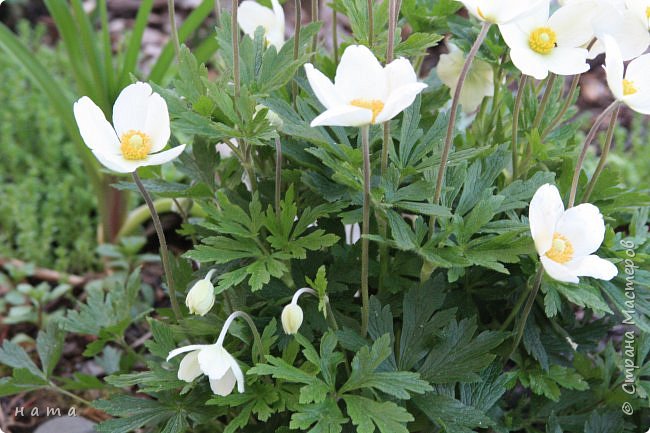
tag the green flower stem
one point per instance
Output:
(603, 154)
(383, 248)
(217, 11)
(527, 309)
(365, 230)
(452, 118)
(335, 35)
(513, 313)
(371, 24)
(581, 158)
(314, 18)
(567, 103)
(164, 252)
(60, 390)
(278, 175)
(257, 340)
(173, 29)
(235, 48)
(296, 47)
(515, 126)
(547, 96)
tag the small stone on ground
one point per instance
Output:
(67, 424)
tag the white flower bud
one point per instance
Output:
(200, 298)
(271, 116)
(291, 318)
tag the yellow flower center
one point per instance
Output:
(374, 105)
(561, 249)
(542, 40)
(628, 88)
(135, 145)
(647, 12)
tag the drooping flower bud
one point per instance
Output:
(200, 298)
(291, 318)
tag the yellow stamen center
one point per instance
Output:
(647, 12)
(480, 14)
(561, 249)
(628, 88)
(374, 105)
(542, 40)
(135, 145)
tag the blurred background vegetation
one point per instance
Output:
(47, 207)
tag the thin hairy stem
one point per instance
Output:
(515, 126)
(371, 24)
(335, 35)
(235, 48)
(452, 118)
(565, 107)
(365, 230)
(278, 175)
(581, 159)
(527, 309)
(296, 48)
(173, 29)
(603, 155)
(257, 340)
(164, 252)
(547, 96)
(314, 18)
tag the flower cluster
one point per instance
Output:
(561, 42)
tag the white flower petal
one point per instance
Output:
(130, 109)
(398, 100)
(185, 349)
(638, 71)
(639, 9)
(515, 37)
(614, 67)
(572, 24)
(567, 61)
(95, 130)
(251, 15)
(322, 87)
(215, 361)
(593, 266)
(558, 271)
(584, 227)
(224, 385)
(117, 163)
(630, 34)
(360, 75)
(505, 11)
(164, 157)
(276, 34)
(189, 369)
(156, 124)
(239, 375)
(639, 102)
(529, 63)
(545, 210)
(399, 72)
(344, 115)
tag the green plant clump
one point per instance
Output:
(47, 212)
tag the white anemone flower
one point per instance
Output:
(214, 361)
(251, 15)
(141, 130)
(363, 92)
(478, 84)
(500, 11)
(631, 87)
(626, 22)
(540, 44)
(566, 239)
